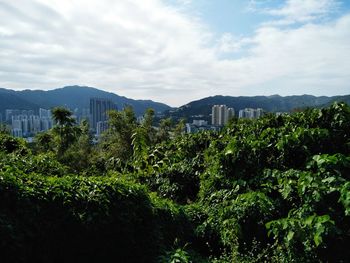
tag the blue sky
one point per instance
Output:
(240, 17)
(224, 16)
(176, 51)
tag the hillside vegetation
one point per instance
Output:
(72, 97)
(274, 103)
(275, 189)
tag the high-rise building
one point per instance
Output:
(250, 113)
(221, 114)
(230, 113)
(43, 113)
(27, 112)
(25, 123)
(85, 115)
(99, 110)
(46, 124)
(17, 132)
(35, 123)
(215, 115)
(11, 112)
(259, 112)
(101, 127)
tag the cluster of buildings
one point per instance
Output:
(250, 113)
(24, 123)
(27, 123)
(197, 125)
(220, 115)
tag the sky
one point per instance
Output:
(177, 51)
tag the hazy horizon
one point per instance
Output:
(177, 51)
(183, 104)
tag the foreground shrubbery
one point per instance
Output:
(74, 219)
(272, 190)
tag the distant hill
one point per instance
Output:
(273, 103)
(72, 97)
(9, 100)
(78, 97)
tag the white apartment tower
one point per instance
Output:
(250, 113)
(220, 114)
(215, 115)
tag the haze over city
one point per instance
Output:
(176, 51)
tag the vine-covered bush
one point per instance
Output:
(74, 219)
(275, 189)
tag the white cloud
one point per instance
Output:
(147, 49)
(229, 43)
(184, 2)
(312, 52)
(302, 11)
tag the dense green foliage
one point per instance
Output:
(275, 189)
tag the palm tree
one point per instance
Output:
(62, 116)
(64, 128)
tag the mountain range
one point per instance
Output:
(72, 97)
(275, 103)
(78, 97)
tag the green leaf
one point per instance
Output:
(290, 236)
(317, 239)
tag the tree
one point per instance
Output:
(44, 141)
(79, 154)
(62, 116)
(143, 135)
(163, 133)
(179, 128)
(116, 143)
(4, 129)
(148, 126)
(64, 129)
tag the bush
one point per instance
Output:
(74, 219)
(9, 144)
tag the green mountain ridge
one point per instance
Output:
(71, 97)
(78, 97)
(274, 103)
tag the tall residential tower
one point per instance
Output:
(99, 108)
(220, 114)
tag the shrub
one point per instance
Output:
(74, 219)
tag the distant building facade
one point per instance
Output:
(220, 114)
(25, 123)
(99, 108)
(230, 113)
(200, 122)
(250, 113)
(101, 126)
(9, 113)
(43, 113)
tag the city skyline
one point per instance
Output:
(28, 123)
(174, 47)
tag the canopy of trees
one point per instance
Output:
(276, 189)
